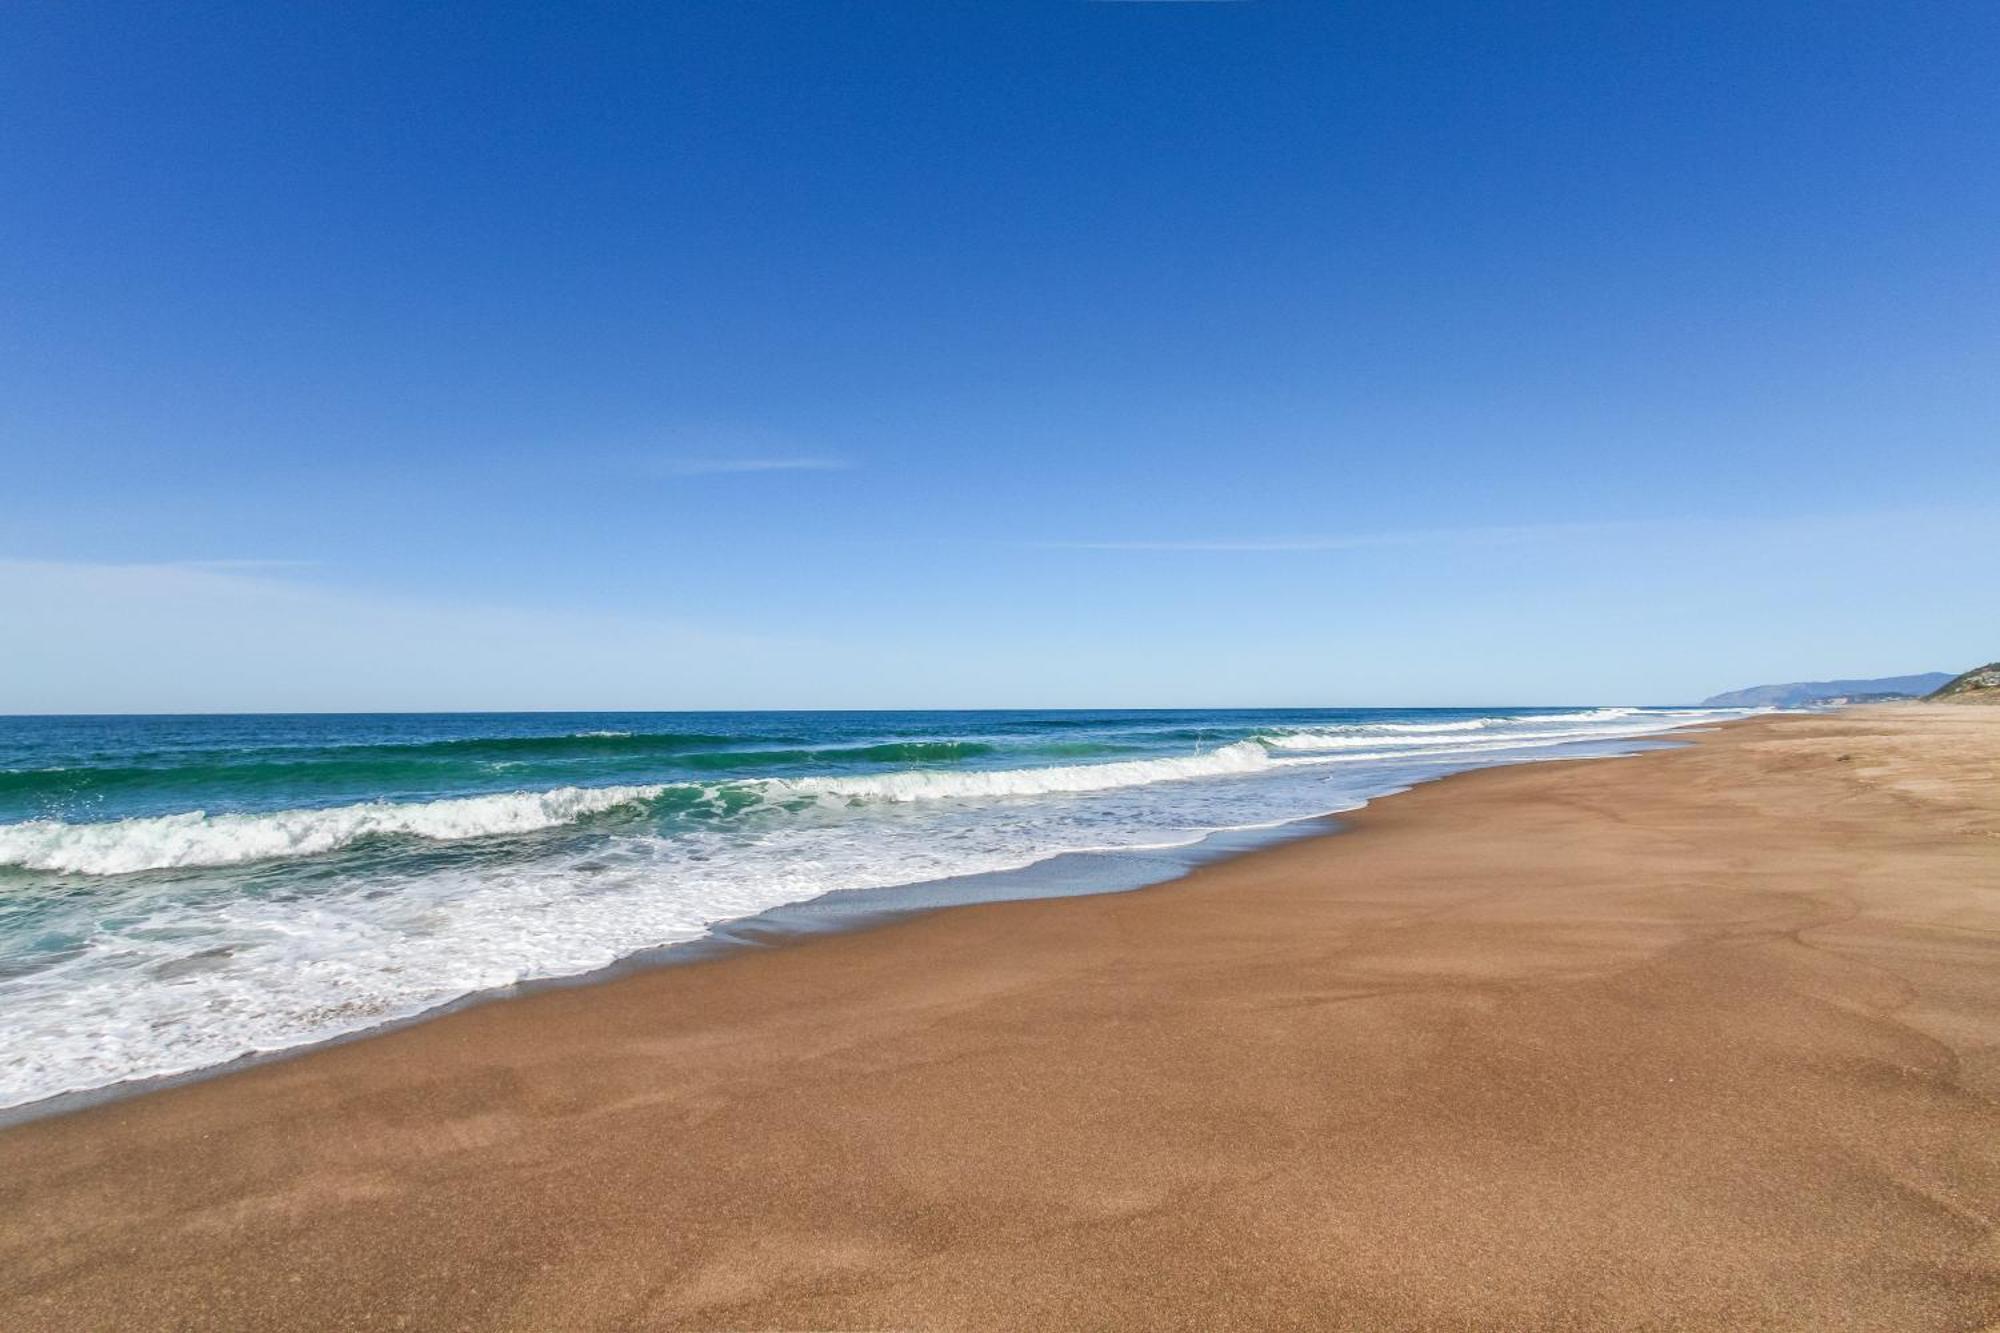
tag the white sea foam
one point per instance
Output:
(1347, 740)
(1600, 714)
(1242, 757)
(196, 838)
(1452, 753)
(1580, 725)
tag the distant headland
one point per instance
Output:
(1799, 693)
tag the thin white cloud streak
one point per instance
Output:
(716, 467)
(237, 565)
(1346, 541)
(1765, 526)
(246, 565)
(190, 637)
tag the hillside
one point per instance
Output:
(1798, 693)
(1981, 685)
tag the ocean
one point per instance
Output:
(179, 892)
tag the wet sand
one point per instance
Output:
(1704, 1038)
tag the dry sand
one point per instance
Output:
(1703, 1038)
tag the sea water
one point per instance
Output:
(177, 892)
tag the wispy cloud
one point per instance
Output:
(1340, 541)
(245, 565)
(221, 637)
(715, 467)
(1768, 526)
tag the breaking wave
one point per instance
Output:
(1242, 757)
(1582, 724)
(197, 838)
(123, 846)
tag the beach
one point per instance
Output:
(1705, 1037)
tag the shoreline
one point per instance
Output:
(1716, 1025)
(1075, 873)
(840, 911)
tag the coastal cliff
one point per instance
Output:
(1981, 685)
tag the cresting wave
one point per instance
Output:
(196, 838)
(1596, 722)
(125, 846)
(1320, 742)
(1242, 757)
(392, 766)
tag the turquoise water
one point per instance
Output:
(178, 891)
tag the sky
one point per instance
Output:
(1036, 354)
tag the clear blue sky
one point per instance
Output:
(753, 354)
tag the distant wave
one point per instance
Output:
(1241, 757)
(890, 752)
(1415, 735)
(1322, 741)
(352, 769)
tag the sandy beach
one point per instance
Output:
(1703, 1038)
